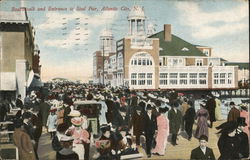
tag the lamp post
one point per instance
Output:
(103, 62)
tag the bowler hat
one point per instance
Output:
(163, 110)
(241, 121)
(149, 107)
(231, 103)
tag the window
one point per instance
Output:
(173, 75)
(149, 78)
(229, 76)
(139, 61)
(193, 78)
(144, 62)
(216, 75)
(206, 52)
(163, 78)
(133, 78)
(175, 62)
(223, 75)
(183, 75)
(120, 60)
(222, 81)
(132, 62)
(183, 78)
(141, 78)
(202, 78)
(222, 78)
(199, 62)
(173, 78)
(135, 62)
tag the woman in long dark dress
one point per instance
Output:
(228, 142)
(202, 117)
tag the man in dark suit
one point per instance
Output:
(234, 113)
(19, 102)
(202, 152)
(150, 127)
(242, 138)
(175, 117)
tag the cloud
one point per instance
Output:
(55, 20)
(212, 24)
(78, 35)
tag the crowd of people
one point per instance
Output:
(125, 117)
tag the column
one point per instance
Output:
(21, 77)
(130, 29)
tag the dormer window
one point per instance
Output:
(185, 49)
(206, 52)
(199, 62)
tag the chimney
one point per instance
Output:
(167, 32)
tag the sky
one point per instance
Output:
(67, 38)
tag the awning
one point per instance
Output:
(34, 80)
(7, 81)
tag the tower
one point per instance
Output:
(136, 21)
(107, 42)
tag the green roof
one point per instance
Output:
(241, 65)
(176, 47)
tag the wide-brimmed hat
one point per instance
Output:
(65, 138)
(227, 127)
(77, 121)
(53, 109)
(244, 106)
(74, 113)
(241, 121)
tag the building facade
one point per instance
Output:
(163, 60)
(16, 54)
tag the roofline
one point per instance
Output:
(14, 21)
(197, 46)
(240, 62)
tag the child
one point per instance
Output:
(66, 152)
(52, 122)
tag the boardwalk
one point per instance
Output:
(181, 151)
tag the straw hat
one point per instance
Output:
(66, 138)
(77, 121)
(74, 113)
(53, 109)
